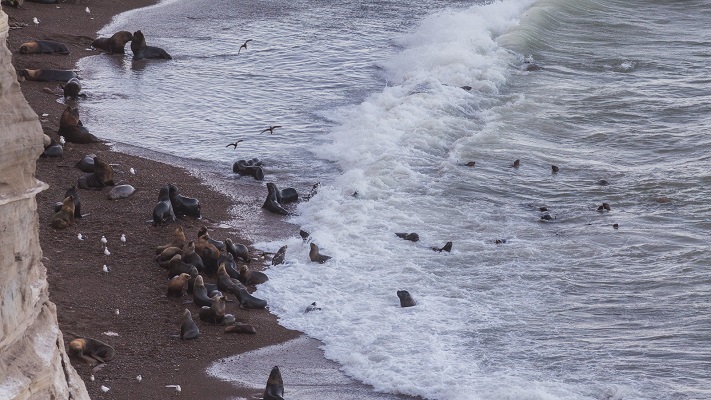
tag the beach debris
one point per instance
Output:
(105, 269)
(104, 389)
(132, 171)
(80, 236)
(106, 251)
(139, 378)
(177, 387)
(36, 20)
(110, 333)
(312, 307)
(123, 239)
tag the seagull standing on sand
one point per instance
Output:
(235, 144)
(36, 20)
(139, 378)
(132, 171)
(123, 239)
(80, 237)
(103, 241)
(177, 387)
(106, 251)
(270, 129)
(87, 10)
(244, 46)
(105, 269)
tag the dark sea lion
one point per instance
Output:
(239, 327)
(102, 176)
(218, 244)
(516, 164)
(316, 256)
(547, 217)
(163, 259)
(90, 350)
(500, 241)
(43, 47)
(72, 129)
(191, 257)
(531, 66)
(177, 267)
(193, 275)
(413, 237)
(275, 386)
(183, 205)
(542, 209)
(115, 44)
(227, 284)
(188, 329)
(121, 192)
(406, 299)
(200, 296)
(179, 240)
(604, 207)
(554, 169)
(246, 300)
(47, 75)
(65, 216)
(304, 235)
(176, 286)
(238, 250)
(313, 192)
(215, 313)
(86, 164)
(279, 256)
(447, 247)
(230, 265)
(251, 168)
(466, 87)
(163, 210)
(72, 191)
(53, 150)
(470, 164)
(141, 50)
(615, 226)
(287, 195)
(72, 88)
(271, 204)
(248, 277)
(312, 307)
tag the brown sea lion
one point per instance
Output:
(406, 299)
(176, 286)
(316, 256)
(72, 191)
(102, 176)
(43, 47)
(230, 265)
(215, 313)
(275, 386)
(209, 254)
(238, 250)
(218, 244)
(191, 257)
(47, 75)
(188, 329)
(179, 240)
(248, 277)
(91, 351)
(200, 296)
(163, 259)
(65, 216)
(141, 50)
(239, 327)
(163, 210)
(72, 129)
(115, 44)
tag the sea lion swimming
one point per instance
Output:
(316, 256)
(406, 299)
(554, 169)
(72, 88)
(188, 329)
(516, 164)
(163, 210)
(43, 47)
(183, 205)
(92, 351)
(312, 307)
(275, 386)
(65, 216)
(102, 176)
(447, 247)
(72, 129)
(47, 75)
(413, 237)
(115, 44)
(141, 50)
(604, 207)
(279, 256)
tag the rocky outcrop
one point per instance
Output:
(33, 363)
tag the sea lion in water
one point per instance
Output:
(239, 327)
(92, 351)
(183, 205)
(271, 204)
(115, 44)
(141, 50)
(275, 386)
(121, 192)
(103, 175)
(447, 247)
(43, 47)
(72, 129)
(413, 237)
(179, 240)
(237, 250)
(215, 313)
(248, 277)
(279, 256)
(163, 210)
(72, 191)
(47, 75)
(72, 88)
(251, 168)
(188, 329)
(604, 207)
(176, 286)
(65, 216)
(516, 164)
(316, 256)
(312, 307)
(406, 299)
(554, 169)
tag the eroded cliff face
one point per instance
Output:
(33, 363)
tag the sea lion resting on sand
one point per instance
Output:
(141, 50)
(86, 164)
(103, 175)
(237, 250)
(176, 286)
(215, 313)
(72, 129)
(91, 351)
(65, 216)
(47, 75)
(54, 149)
(43, 47)
(115, 44)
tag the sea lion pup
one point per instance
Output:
(65, 216)
(179, 240)
(163, 210)
(218, 244)
(413, 237)
(238, 250)
(183, 205)
(215, 313)
(72, 191)
(54, 149)
(177, 267)
(209, 254)
(315, 256)
(115, 44)
(72, 88)
(141, 50)
(275, 386)
(271, 204)
(239, 327)
(72, 129)
(406, 299)
(279, 256)
(102, 176)
(121, 192)
(251, 168)
(91, 351)
(47, 75)
(176, 286)
(191, 257)
(248, 277)
(200, 296)
(447, 247)
(188, 329)
(43, 47)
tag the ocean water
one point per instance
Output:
(369, 96)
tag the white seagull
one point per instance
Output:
(36, 20)
(139, 378)
(123, 239)
(80, 237)
(87, 10)
(117, 311)
(132, 171)
(62, 141)
(105, 268)
(106, 251)
(177, 387)
(103, 241)
(104, 389)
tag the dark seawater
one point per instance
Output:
(369, 98)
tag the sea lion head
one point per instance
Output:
(203, 231)
(77, 346)
(138, 42)
(163, 194)
(70, 117)
(122, 37)
(29, 47)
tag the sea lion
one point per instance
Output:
(191, 257)
(183, 205)
(53, 150)
(312, 307)
(72, 191)
(121, 192)
(230, 265)
(531, 66)
(615, 226)
(238, 250)
(65, 216)
(163, 210)
(179, 240)
(239, 327)
(304, 235)
(316, 256)
(516, 164)
(176, 286)
(251, 168)
(92, 351)
(188, 329)
(447, 247)
(413, 237)
(271, 204)
(215, 313)
(227, 284)
(102, 176)
(200, 296)
(313, 192)
(209, 254)
(275, 386)
(177, 267)
(193, 275)
(72, 88)
(248, 277)
(163, 259)
(218, 244)
(115, 44)
(141, 50)
(86, 164)
(43, 47)
(279, 256)
(72, 129)
(246, 300)
(470, 164)
(406, 299)
(604, 207)
(547, 217)
(554, 169)
(47, 75)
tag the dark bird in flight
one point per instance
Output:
(270, 129)
(235, 143)
(244, 46)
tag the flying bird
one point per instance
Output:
(235, 143)
(270, 129)
(244, 46)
